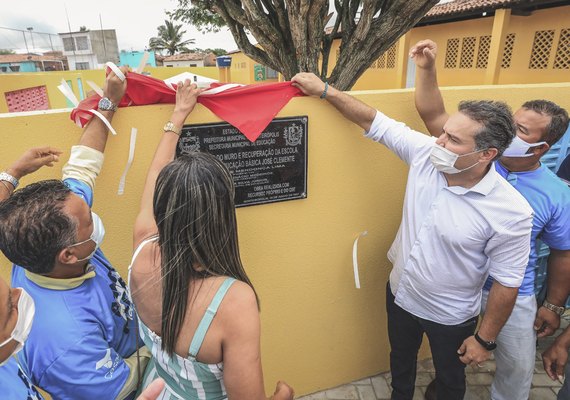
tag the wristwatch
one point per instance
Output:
(489, 346)
(555, 309)
(170, 127)
(106, 105)
(4, 176)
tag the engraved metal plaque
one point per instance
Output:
(274, 168)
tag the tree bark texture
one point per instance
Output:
(291, 33)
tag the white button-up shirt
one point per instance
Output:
(451, 238)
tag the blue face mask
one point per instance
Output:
(96, 236)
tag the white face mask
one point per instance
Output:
(519, 148)
(444, 160)
(26, 311)
(96, 236)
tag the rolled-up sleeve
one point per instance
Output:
(84, 165)
(398, 137)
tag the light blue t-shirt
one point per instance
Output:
(80, 335)
(15, 385)
(549, 197)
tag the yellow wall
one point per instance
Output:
(11, 82)
(242, 68)
(318, 331)
(519, 72)
(525, 28)
(439, 34)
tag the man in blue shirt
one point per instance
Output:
(83, 342)
(564, 170)
(16, 307)
(540, 124)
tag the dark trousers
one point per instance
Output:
(405, 332)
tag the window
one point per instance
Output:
(541, 48)
(82, 65)
(483, 53)
(82, 43)
(562, 60)
(467, 52)
(14, 68)
(4, 69)
(29, 99)
(508, 50)
(451, 53)
(381, 62)
(68, 44)
(391, 56)
(270, 73)
(193, 65)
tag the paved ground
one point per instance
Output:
(478, 382)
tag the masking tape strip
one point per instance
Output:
(116, 70)
(68, 93)
(220, 89)
(142, 64)
(95, 88)
(102, 118)
(355, 259)
(123, 180)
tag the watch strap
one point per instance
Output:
(170, 127)
(4, 176)
(555, 309)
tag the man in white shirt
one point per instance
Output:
(461, 222)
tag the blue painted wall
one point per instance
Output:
(28, 66)
(133, 58)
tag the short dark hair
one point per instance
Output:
(558, 118)
(33, 226)
(497, 119)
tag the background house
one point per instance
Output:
(133, 58)
(10, 63)
(90, 49)
(190, 60)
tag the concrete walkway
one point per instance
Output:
(478, 381)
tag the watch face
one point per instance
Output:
(105, 104)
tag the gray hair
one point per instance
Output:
(498, 129)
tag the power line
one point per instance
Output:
(24, 30)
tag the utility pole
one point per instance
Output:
(31, 29)
(26, 42)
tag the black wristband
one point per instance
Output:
(489, 346)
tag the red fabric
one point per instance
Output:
(141, 90)
(249, 108)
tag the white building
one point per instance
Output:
(190, 60)
(90, 49)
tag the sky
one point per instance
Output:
(134, 21)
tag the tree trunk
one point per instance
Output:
(291, 36)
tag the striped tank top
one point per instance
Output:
(186, 378)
